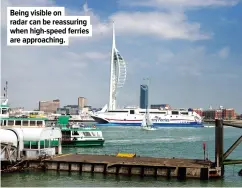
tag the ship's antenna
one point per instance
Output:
(6, 90)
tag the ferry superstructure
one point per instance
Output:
(4, 108)
(161, 118)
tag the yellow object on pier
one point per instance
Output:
(129, 155)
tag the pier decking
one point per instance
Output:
(143, 166)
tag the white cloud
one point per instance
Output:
(179, 4)
(162, 25)
(224, 52)
(96, 55)
(188, 62)
(195, 61)
(91, 55)
(157, 24)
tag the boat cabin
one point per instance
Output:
(4, 109)
(74, 133)
(32, 122)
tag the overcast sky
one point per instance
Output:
(191, 50)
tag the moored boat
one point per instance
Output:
(78, 134)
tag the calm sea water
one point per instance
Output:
(165, 142)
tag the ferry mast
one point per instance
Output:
(117, 73)
(6, 90)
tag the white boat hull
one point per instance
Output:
(149, 128)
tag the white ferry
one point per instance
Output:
(159, 117)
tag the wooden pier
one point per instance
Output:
(142, 166)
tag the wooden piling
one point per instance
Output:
(142, 170)
(129, 170)
(117, 170)
(80, 168)
(219, 144)
(105, 169)
(181, 173)
(204, 174)
(69, 169)
(155, 172)
(58, 166)
(168, 173)
(93, 167)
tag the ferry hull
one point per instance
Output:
(190, 124)
(86, 143)
(79, 143)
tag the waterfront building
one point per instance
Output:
(82, 102)
(68, 109)
(224, 113)
(212, 114)
(229, 114)
(144, 96)
(160, 106)
(49, 106)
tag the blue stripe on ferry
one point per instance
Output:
(142, 119)
(192, 124)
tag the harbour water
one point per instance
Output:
(165, 142)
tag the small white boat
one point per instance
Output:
(149, 128)
(209, 126)
(147, 123)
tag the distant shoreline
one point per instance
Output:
(227, 121)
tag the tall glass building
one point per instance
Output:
(143, 96)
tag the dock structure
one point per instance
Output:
(9, 152)
(135, 165)
(18, 143)
(225, 122)
(220, 155)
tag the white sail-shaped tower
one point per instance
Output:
(117, 74)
